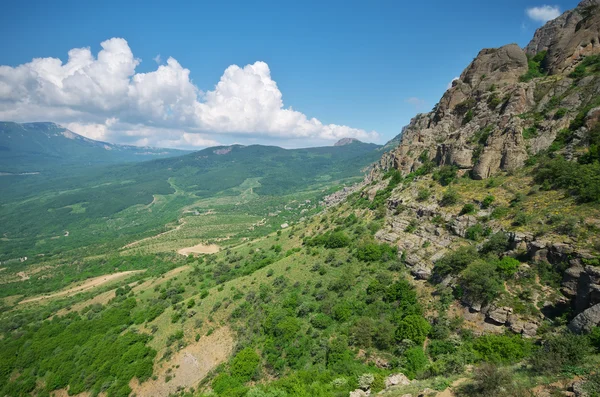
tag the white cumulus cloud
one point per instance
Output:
(543, 13)
(104, 98)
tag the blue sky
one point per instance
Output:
(348, 63)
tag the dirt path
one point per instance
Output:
(86, 285)
(134, 243)
(188, 366)
(200, 249)
(449, 391)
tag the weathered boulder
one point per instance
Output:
(360, 393)
(499, 315)
(397, 379)
(586, 320)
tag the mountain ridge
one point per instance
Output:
(31, 147)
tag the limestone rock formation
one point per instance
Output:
(497, 114)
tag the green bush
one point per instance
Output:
(445, 174)
(467, 209)
(496, 244)
(505, 349)
(508, 266)
(330, 240)
(560, 113)
(415, 362)
(371, 252)
(455, 262)
(423, 194)
(560, 352)
(450, 197)
(474, 232)
(536, 67)
(413, 327)
(487, 201)
(481, 281)
(581, 180)
(321, 321)
(245, 365)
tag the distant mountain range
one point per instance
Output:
(34, 147)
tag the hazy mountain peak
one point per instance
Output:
(345, 141)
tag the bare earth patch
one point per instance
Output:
(188, 366)
(449, 392)
(86, 285)
(200, 249)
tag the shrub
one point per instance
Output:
(493, 101)
(487, 201)
(423, 194)
(496, 244)
(530, 132)
(456, 261)
(481, 281)
(321, 321)
(521, 219)
(415, 361)
(329, 240)
(467, 209)
(560, 113)
(489, 380)
(245, 364)
(450, 197)
(445, 174)
(370, 252)
(413, 327)
(508, 266)
(559, 352)
(474, 232)
(536, 67)
(581, 180)
(505, 349)
(468, 117)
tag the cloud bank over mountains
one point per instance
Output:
(104, 98)
(543, 13)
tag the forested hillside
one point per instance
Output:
(466, 262)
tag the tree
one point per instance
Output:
(415, 361)
(245, 364)
(481, 281)
(413, 327)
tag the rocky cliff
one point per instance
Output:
(509, 103)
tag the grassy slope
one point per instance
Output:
(307, 278)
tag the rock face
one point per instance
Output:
(567, 38)
(485, 122)
(586, 320)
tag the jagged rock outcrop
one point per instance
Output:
(492, 118)
(569, 37)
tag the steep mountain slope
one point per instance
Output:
(507, 162)
(34, 147)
